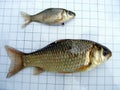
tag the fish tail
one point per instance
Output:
(16, 61)
(27, 18)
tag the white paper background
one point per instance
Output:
(97, 20)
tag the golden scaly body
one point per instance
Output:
(61, 56)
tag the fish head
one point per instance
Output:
(100, 54)
(69, 15)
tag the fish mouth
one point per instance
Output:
(74, 14)
(109, 54)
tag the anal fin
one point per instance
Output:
(37, 70)
(66, 72)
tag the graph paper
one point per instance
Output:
(96, 20)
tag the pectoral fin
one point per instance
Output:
(58, 20)
(62, 23)
(84, 68)
(37, 70)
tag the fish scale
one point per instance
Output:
(59, 59)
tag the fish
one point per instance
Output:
(61, 56)
(50, 16)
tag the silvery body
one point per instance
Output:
(50, 16)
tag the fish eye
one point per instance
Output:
(105, 52)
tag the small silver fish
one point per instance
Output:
(50, 16)
(62, 56)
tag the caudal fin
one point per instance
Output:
(16, 61)
(27, 18)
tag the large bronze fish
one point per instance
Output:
(51, 16)
(62, 56)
